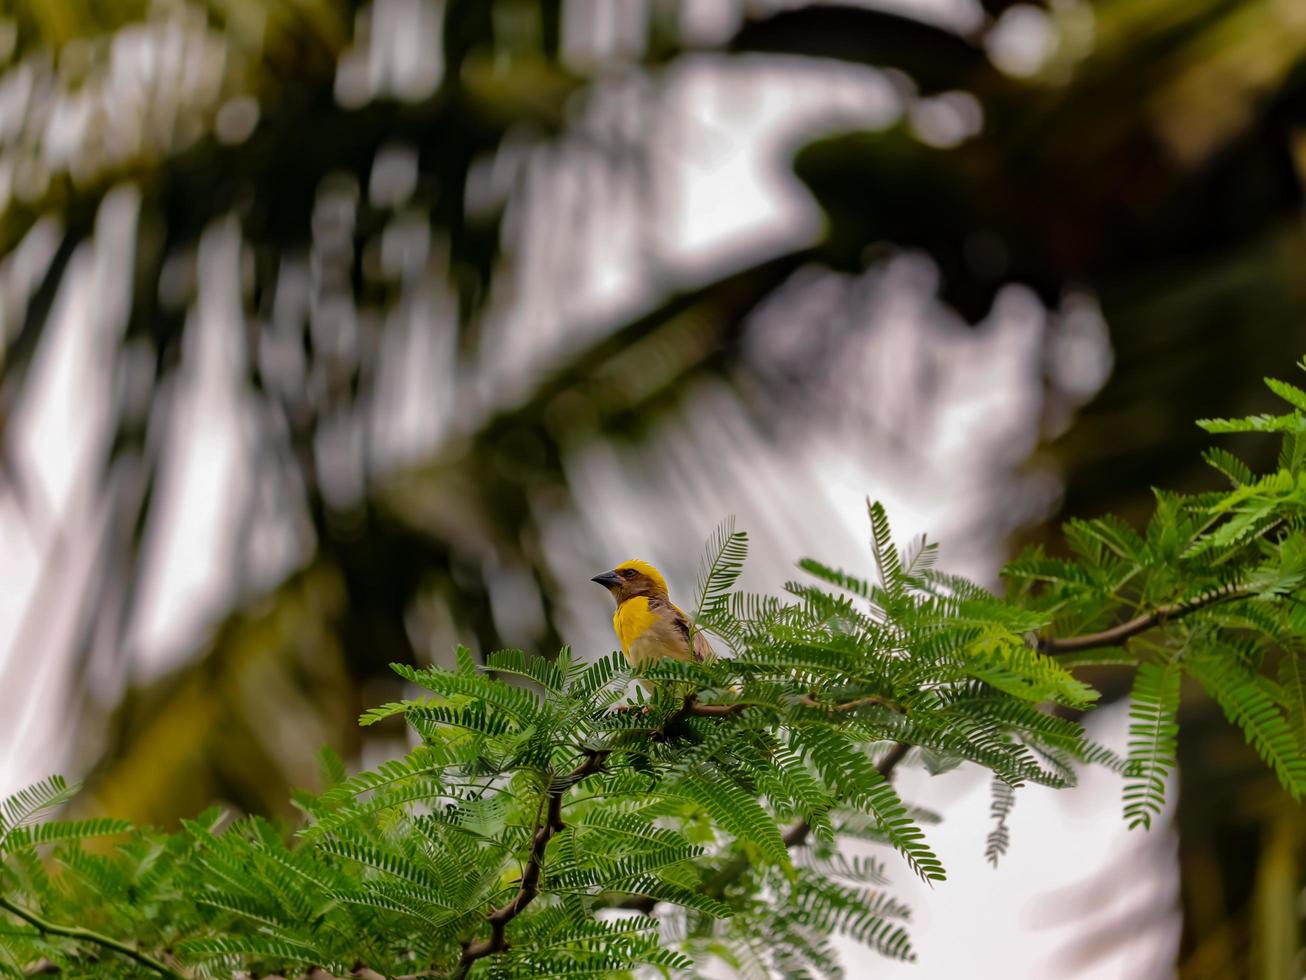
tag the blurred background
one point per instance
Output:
(334, 333)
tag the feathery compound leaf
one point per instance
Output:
(424, 761)
(547, 673)
(797, 784)
(738, 813)
(847, 770)
(1292, 452)
(1112, 533)
(858, 913)
(1010, 664)
(1153, 733)
(1247, 705)
(720, 568)
(1035, 567)
(920, 557)
(330, 768)
(882, 548)
(1293, 422)
(1098, 657)
(414, 790)
(619, 828)
(999, 839)
(391, 708)
(65, 831)
(389, 863)
(612, 670)
(1293, 395)
(659, 890)
(28, 804)
(838, 577)
(256, 946)
(902, 832)
(1292, 680)
(521, 705)
(1230, 465)
(864, 869)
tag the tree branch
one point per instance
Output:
(530, 879)
(86, 935)
(1139, 624)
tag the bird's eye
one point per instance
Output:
(629, 573)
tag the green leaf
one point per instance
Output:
(1292, 681)
(1293, 395)
(330, 767)
(864, 915)
(610, 671)
(719, 569)
(256, 946)
(1293, 423)
(521, 705)
(844, 766)
(1012, 665)
(902, 831)
(1248, 706)
(547, 673)
(920, 557)
(388, 710)
(1111, 533)
(883, 550)
(838, 577)
(648, 886)
(65, 831)
(999, 839)
(30, 803)
(737, 812)
(1230, 465)
(1153, 734)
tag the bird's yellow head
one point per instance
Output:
(632, 578)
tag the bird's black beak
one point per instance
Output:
(609, 580)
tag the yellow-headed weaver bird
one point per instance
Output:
(649, 625)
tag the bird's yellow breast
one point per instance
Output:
(648, 632)
(632, 620)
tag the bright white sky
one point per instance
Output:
(723, 199)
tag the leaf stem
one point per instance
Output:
(48, 928)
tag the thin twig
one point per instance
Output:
(86, 935)
(530, 879)
(694, 708)
(808, 701)
(1139, 624)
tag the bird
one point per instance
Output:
(649, 625)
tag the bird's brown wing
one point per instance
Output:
(701, 648)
